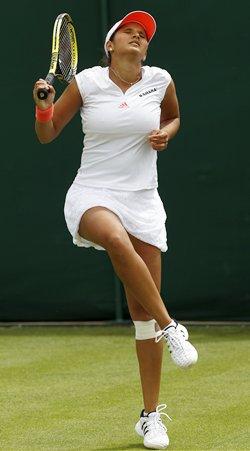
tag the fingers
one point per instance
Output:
(158, 139)
(155, 132)
(42, 84)
(159, 146)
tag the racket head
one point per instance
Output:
(64, 53)
(67, 49)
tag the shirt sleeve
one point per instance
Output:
(162, 79)
(166, 76)
(81, 84)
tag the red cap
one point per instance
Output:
(142, 18)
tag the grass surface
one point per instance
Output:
(77, 388)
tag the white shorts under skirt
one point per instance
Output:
(141, 212)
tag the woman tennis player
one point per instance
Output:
(129, 113)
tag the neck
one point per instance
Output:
(128, 70)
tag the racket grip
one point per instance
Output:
(42, 93)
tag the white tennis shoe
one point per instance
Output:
(152, 429)
(183, 353)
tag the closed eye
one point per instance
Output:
(129, 30)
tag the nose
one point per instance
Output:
(136, 34)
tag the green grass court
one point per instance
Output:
(77, 388)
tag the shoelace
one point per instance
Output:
(155, 421)
(173, 339)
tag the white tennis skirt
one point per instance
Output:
(141, 212)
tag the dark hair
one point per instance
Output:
(106, 60)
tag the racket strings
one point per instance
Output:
(65, 52)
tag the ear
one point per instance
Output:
(109, 46)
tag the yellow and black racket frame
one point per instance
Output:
(54, 69)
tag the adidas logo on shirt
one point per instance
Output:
(123, 105)
(147, 92)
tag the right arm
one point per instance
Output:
(64, 109)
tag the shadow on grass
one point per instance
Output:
(134, 446)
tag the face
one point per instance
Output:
(130, 38)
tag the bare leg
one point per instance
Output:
(103, 227)
(149, 353)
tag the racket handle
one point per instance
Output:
(42, 93)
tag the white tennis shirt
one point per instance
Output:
(116, 152)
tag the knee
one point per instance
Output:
(118, 243)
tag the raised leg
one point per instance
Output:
(102, 226)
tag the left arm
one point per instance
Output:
(170, 120)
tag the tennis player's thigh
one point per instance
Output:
(101, 226)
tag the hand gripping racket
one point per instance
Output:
(64, 55)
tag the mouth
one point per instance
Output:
(135, 42)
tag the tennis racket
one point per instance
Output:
(64, 56)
